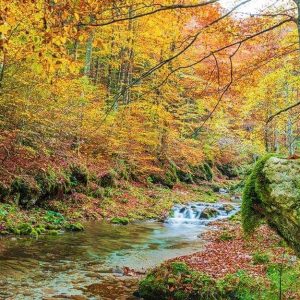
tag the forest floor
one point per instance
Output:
(263, 256)
(125, 203)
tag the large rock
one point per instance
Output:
(209, 212)
(273, 192)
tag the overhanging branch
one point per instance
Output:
(160, 9)
(271, 118)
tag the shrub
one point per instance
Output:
(208, 172)
(184, 176)
(78, 175)
(179, 267)
(108, 180)
(25, 229)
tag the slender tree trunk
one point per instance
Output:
(97, 71)
(75, 49)
(88, 54)
(2, 67)
(298, 19)
(128, 64)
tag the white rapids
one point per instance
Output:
(193, 213)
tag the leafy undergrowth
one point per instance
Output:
(230, 267)
(121, 204)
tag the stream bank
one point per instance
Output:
(230, 266)
(127, 202)
(69, 265)
(78, 265)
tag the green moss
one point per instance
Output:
(120, 221)
(179, 268)
(209, 212)
(54, 217)
(175, 280)
(40, 229)
(74, 226)
(53, 226)
(253, 194)
(52, 182)
(24, 229)
(226, 236)
(53, 232)
(151, 288)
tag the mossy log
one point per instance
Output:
(272, 192)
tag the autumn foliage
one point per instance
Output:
(141, 88)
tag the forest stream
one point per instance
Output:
(90, 264)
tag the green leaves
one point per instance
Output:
(54, 217)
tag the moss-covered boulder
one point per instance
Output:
(74, 227)
(272, 191)
(176, 280)
(120, 221)
(228, 208)
(209, 212)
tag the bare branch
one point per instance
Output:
(161, 64)
(160, 9)
(271, 118)
(227, 87)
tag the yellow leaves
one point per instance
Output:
(98, 43)
(76, 16)
(37, 67)
(59, 40)
(81, 38)
(4, 29)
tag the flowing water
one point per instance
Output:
(81, 265)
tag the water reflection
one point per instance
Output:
(64, 264)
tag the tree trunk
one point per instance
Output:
(298, 19)
(88, 55)
(2, 67)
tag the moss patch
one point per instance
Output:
(252, 196)
(175, 280)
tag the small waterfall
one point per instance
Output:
(201, 213)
